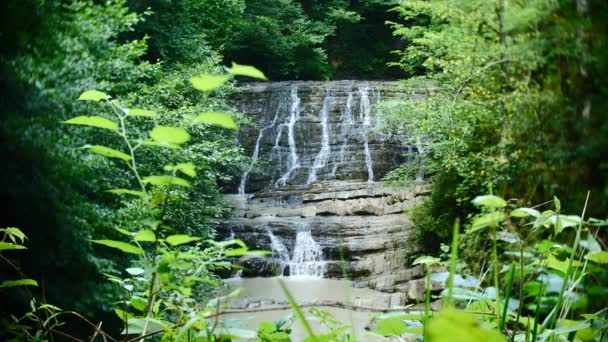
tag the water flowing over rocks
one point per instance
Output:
(312, 194)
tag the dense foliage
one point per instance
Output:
(516, 102)
(286, 39)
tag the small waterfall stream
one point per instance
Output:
(307, 259)
(294, 115)
(323, 155)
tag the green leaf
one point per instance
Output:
(8, 246)
(393, 326)
(141, 112)
(524, 212)
(124, 231)
(20, 282)
(166, 180)
(558, 203)
(123, 246)
(145, 235)
(486, 220)
(170, 135)
(426, 260)
(127, 192)
(138, 303)
(107, 152)
(93, 95)
(14, 234)
(208, 82)
(598, 257)
(244, 251)
(246, 70)
(186, 168)
(490, 201)
(452, 325)
(94, 121)
(554, 263)
(215, 118)
(224, 244)
(180, 239)
(135, 271)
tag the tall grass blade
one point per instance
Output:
(297, 311)
(453, 259)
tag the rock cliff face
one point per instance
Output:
(313, 191)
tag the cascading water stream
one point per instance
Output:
(365, 116)
(294, 115)
(279, 252)
(307, 259)
(256, 152)
(323, 155)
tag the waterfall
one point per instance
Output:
(347, 121)
(294, 114)
(365, 116)
(323, 155)
(256, 152)
(279, 252)
(307, 257)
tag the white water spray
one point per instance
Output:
(307, 259)
(294, 115)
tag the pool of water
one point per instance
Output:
(266, 293)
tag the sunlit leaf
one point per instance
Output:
(246, 70)
(107, 152)
(93, 121)
(135, 271)
(524, 212)
(124, 231)
(145, 235)
(93, 95)
(452, 325)
(224, 244)
(138, 303)
(170, 135)
(166, 180)
(426, 260)
(558, 203)
(141, 112)
(393, 326)
(186, 168)
(600, 257)
(123, 246)
(208, 82)
(179, 239)
(14, 233)
(554, 263)
(486, 220)
(8, 246)
(215, 118)
(20, 282)
(490, 201)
